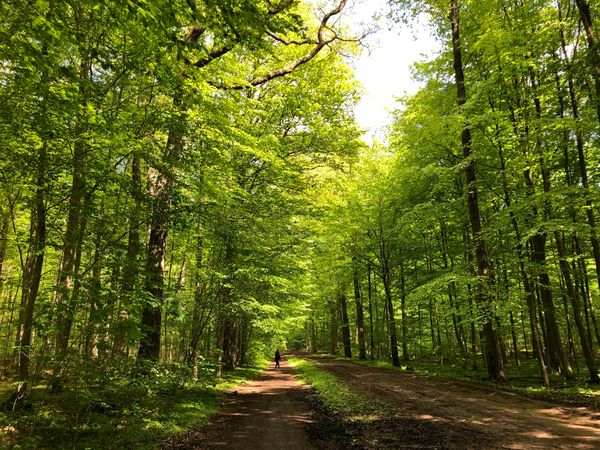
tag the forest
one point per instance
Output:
(184, 188)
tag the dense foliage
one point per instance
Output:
(477, 225)
(183, 188)
(156, 159)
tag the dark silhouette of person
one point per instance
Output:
(277, 358)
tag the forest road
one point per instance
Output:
(431, 412)
(269, 413)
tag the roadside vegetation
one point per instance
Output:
(336, 397)
(133, 408)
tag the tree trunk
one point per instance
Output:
(586, 18)
(155, 278)
(35, 265)
(220, 335)
(515, 341)
(391, 319)
(493, 355)
(405, 354)
(312, 336)
(432, 324)
(345, 324)
(473, 332)
(585, 345)
(32, 274)
(66, 273)
(556, 355)
(131, 268)
(594, 47)
(370, 294)
(160, 187)
(95, 310)
(454, 307)
(553, 340)
(360, 320)
(333, 327)
(4, 221)
(202, 312)
(230, 345)
(244, 341)
(439, 346)
(456, 323)
(564, 266)
(524, 333)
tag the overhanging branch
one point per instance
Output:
(322, 41)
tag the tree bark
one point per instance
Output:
(131, 268)
(333, 327)
(552, 333)
(360, 320)
(35, 265)
(515, 341)
(201, 313)
(32, 274)
(160, 186)
(66, 273)
(230, 345)
(372, 329)
(405, 354)
(432, 324)
(586, 18)
(391, 316)
(345, 324)
(155, 277)
(95, 309)
(4, 221)
(537, 255)
(593, 46)
(575, 302)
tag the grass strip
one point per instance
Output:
(334, 394)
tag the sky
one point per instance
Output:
(384, 68)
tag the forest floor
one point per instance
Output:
(414, 411)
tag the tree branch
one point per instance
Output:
(321, 42)
(212, 55)
(291, 42)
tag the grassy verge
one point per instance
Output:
(122, 414)
(335, 396)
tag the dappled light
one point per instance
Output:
(496, 418)
(267, 413)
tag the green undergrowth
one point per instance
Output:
(335, 395)
(130, 413)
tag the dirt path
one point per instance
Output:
(429, 412)
(270, 413)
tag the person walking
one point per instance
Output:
(277, 358)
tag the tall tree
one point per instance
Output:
(493, 355)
